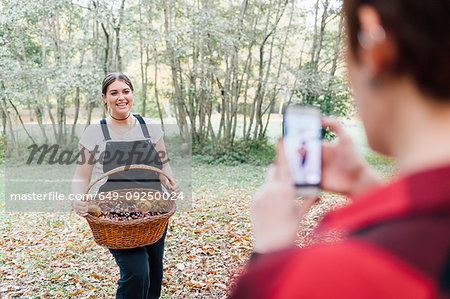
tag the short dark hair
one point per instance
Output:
(421, 32)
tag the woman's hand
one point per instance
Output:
(80, 207)
(274, 212)
(80, 181)
(173, 187)
(343, 169)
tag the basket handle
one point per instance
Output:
(126, 167)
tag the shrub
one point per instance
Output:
(255, 152)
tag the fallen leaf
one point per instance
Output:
(180, 266)
(77, 292)
(96, 276)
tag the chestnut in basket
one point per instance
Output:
(94, 210)
(129, 211)
(127, 216)
(144, 206)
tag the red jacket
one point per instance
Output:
(397, 245)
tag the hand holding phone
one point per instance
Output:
(344, 170)
(302, 142)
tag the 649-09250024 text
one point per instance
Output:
(133, 195)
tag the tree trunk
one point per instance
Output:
(105, 59)
(117, 29)
(89, 112)
(236, 83)
(174, 66)
(44, 67)
(337, 47)
(260, 91)
(143, 65)
(20, 119)
(321, 33)
(9, 121)
(245, 97)
(4, 141)
(61, 97)
(36, 108)
(314, 46)
(155, 54)
(275, 88)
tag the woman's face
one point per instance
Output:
(119, 98)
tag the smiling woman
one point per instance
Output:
(117, 94)
(129, 137)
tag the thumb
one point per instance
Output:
(281, 163)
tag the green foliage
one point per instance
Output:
(330, 94)
(151, 108)
(327, 134)
(385, 166)
(254, 152)
(54, 54)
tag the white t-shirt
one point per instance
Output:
(94, 141)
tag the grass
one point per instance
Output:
(50, 255)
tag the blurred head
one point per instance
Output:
(117, 93)
(395, 45)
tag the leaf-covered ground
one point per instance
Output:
(50, 255)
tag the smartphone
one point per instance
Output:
(302, 132)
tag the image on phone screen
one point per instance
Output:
(302, 142)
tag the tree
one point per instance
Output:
(220, 67)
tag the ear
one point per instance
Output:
(377, 49)
(104, 98)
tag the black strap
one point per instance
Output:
(140, 120)
(105, 129)
(143, 125)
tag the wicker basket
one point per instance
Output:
(115, 234)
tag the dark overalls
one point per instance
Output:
(141, 269)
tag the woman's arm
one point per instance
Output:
(161, 149)
(81, 179)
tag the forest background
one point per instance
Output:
(220, 70)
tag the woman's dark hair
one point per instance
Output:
(421, 32)
(110, 78)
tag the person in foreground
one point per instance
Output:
(396, 240)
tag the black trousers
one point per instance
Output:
(141, 271)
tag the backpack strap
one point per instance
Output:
(143, 125)
(105, 129)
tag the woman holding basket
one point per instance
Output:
(123, 139)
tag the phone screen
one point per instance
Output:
(302, 143)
